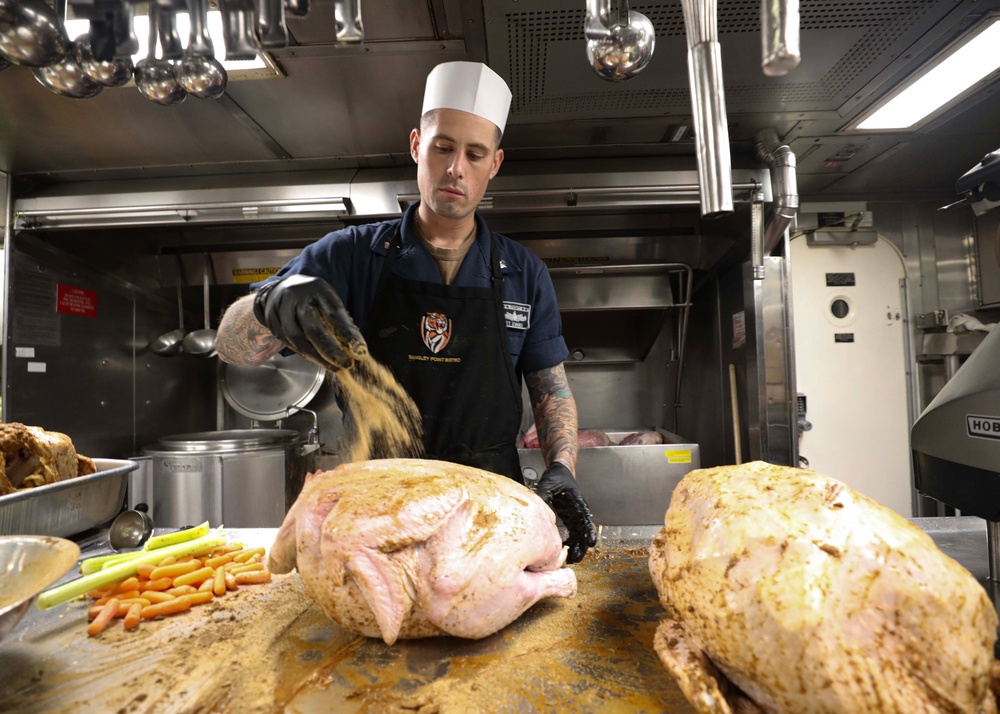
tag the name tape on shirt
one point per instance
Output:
(517, 315)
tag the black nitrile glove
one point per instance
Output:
(307, 315)
(557, 487)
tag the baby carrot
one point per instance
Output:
(255, 577)
(123, 607)
(101, 621)
(128, 584)
(118, 596)
(170, 607)
(216, 561)
(245, 555)
(158, 584)
(200, 597)
(174, 569)
(181, 590)
(155, 596)
(145, 569)
(133, 616)
(219, 583)
(195, 576)
(249, 567)
(96, 610)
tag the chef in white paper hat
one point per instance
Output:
(459, 314)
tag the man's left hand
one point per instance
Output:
(558, 489)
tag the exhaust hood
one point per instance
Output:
(195, 200)
(352, 196)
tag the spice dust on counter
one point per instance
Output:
(269, 649)
(591, 653)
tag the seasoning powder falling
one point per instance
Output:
(382, 420)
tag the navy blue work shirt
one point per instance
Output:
(351, 260)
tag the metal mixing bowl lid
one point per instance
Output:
(272, 391)
(231, 440)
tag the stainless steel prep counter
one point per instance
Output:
(269, 649)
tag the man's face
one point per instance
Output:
(456, 155)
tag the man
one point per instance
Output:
(456, 312)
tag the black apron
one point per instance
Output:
(448, 347)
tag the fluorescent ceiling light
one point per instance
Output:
(77, 27)
(942, 80)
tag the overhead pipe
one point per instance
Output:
(757, 233)
(708, 107)
(780, 159)
(779, 35)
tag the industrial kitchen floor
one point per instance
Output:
(267, 648)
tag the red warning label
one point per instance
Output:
(76, 301)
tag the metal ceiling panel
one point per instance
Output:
(347, 105)
(41, 131)
(540, 48)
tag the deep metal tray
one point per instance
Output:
(626, 485)
(69, 507)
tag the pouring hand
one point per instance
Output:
(307, 315)
(557, 488)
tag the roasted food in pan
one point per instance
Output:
(407, 548)
(35, 457)
(788, 591)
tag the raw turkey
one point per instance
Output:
(35, 457)
(406, 548)
(642, 438)
(584, 437)
(787, 591)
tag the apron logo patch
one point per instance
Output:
(517, 315)
(435, 328)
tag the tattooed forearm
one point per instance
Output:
(242, 340)
(555, 414)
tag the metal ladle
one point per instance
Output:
(112, 73)
(67, 78)
(201, 343)
(199, 72)
(623, 50)
(155, 78)
(31, 33)
(130, 529)
(169, 343)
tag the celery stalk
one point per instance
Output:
(161, 541)
(92, 565)
(106, 576)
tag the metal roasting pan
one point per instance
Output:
(68, 507)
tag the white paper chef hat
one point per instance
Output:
(469, 87)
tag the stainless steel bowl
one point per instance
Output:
(28, 565)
